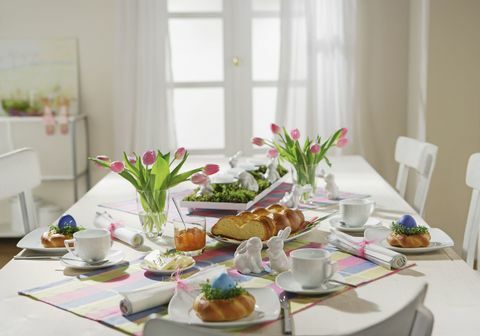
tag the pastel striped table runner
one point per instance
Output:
(95, 295)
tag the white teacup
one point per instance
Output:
(355, 212)
(90, 245)
(311, 267)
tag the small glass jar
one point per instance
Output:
(190, 236)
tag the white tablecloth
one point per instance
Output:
(453, 294)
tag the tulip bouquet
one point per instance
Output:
(303, 158)
(152, 175)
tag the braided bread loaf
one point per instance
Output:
(261, 222)
(409, 241)
(224, 310)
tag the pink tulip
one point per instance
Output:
(315, 148)
(149, 157)
(342, 142)
(132, 159)
(258, 141)
(180, 153)
(117, 166)
(295, 134)
(211, 169)
(275, 128)
(272, 153)
(344, 132)
(199, 178)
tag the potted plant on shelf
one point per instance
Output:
(303, 158)
(152, 175)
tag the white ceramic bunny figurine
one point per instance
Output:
(233, 160)
(292, 199)
(331, 187)
(279, 261)
(248, 258)
(271, 175)
(247, 181)
(205, 188)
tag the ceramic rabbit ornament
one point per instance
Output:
(248, 258)
(205, 188)
(247, 181)
(279, 262)
(292, 199)
(271, 175)
(233, 160)
(331, 187)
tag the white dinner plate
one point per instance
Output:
(267, 308)
(286, 282)
(153, 255)
(336, 222)
(439, 240)
(32, 241)
(113, 257)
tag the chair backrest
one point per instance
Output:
(413, 319)
(19, 174)
(421, 157)
(159, 326)
(470, 237)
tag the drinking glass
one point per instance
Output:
(190, 236)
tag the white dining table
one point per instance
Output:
(453, 288)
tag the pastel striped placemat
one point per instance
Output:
(95, 295)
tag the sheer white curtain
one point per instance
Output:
(143, 113)
(317, 90)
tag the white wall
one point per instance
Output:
(92, 23)
(453, 108)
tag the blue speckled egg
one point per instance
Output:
(66, 220)
(407, 221)
(223, 282)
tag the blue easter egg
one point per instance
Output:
(407, 221)
(66, 220)
(223, 282)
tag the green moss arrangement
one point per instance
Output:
(211, 293)
(400, 229)
(233, 192)
(67, 230)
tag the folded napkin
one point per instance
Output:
(139, 300)
(367, 247)
(118, 230)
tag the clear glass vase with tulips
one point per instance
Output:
(305, 158)
(152, 175)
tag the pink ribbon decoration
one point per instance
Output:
(180, 283)
(362, 246)
(113, 226)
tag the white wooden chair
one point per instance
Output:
(19, 174)
(420, 157)
(413, 319)
(159, 326)
(471, 236)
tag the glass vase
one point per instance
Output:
(153, 212)
(304, 179)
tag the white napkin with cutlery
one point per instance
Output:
(143, 299)
(368, 247)
(127, 235)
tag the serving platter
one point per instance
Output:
(233, 206)
(313, 223)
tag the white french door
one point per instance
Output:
(225, 57)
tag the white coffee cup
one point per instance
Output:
(89, 245)
(355, 212)
(311, 267)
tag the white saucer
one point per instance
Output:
(113, 257)
(286, 281)
(337, 223)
